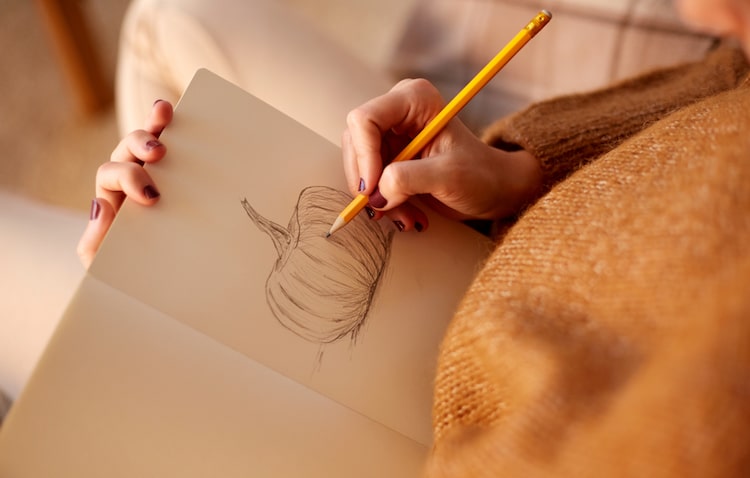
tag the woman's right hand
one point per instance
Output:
(458, 175)
(123, 176)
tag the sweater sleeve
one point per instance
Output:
(568, 132)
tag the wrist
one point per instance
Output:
(521, 181)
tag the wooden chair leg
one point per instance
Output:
(73, 42)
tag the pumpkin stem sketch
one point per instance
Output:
(322, 288)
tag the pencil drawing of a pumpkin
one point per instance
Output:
(322, 288)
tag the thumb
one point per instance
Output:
(404, 179)
(100, 219)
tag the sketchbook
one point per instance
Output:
(219, 333)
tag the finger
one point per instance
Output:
(143, 146)
(116, 180)
(140, 147)
(160, 116)
(365, 138)
(100, 219)
(408, 217)
(405, 109)
(354, 181)
(402, 180)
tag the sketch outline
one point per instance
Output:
(322, 289)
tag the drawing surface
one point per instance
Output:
(225, 146)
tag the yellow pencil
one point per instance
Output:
(451, 109)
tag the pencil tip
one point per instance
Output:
(328, 234)
(337, 224)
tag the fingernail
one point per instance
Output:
(153, 144)
(155, 102)
(361, 184)
(418, 226)
(151, 192)
(370, 211)
(399, 225)
(96, 208)
(377, 200)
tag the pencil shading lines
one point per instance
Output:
(322, 288)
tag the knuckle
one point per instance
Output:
(124, 146)
(397, 181)
(421, 84)
(132, 173)
(423, 87)
(355, 118)
(404, 83)
(102, 171)
(422, 92)
(121, 172)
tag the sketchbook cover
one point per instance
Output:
(234, 260)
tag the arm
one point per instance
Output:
(568, 132)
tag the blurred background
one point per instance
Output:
(51, 147)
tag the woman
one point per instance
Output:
(606, 334)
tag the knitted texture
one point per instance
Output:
(607, 335)
(566, 133)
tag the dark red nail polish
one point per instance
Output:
(153, 144)
(151, 192)
(377, 200)
(370, 211)
(418, 226)
(400, 225)
(96, 208)
(361, 184)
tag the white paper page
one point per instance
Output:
(125, 391)
(198, 257)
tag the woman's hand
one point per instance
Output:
(123, 176)
(459, 176)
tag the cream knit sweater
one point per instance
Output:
(609, 332)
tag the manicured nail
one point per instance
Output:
(377, 200)
(153, 144)
(370, 211)
(399, 225)
(151, 192)
(361, 184)
(418, 226)
(96, 208)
